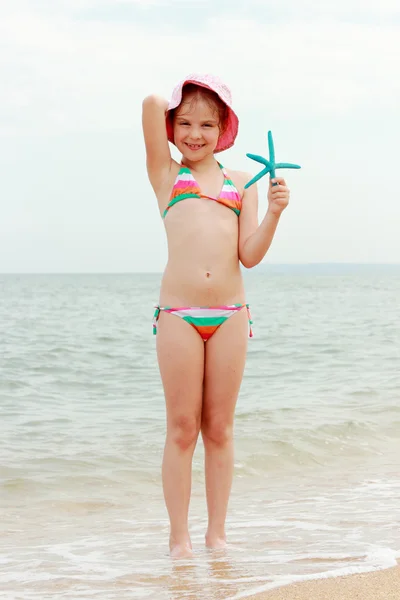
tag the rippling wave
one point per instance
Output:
(82, 425)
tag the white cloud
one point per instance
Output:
(356, 10)
(60, 73)
(318, 85)
(76, 7)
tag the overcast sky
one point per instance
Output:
(323, 76)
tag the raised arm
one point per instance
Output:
(158, 154)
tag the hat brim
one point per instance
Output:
(226, 139)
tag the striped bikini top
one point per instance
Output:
(186, 186)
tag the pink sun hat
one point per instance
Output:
(227, 139)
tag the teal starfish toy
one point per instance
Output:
(270, 165)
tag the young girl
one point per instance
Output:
(202, 320)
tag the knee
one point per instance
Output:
(184, 431)
(217, 432)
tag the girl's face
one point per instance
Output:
(196, 128)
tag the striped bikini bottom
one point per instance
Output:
(205, 319)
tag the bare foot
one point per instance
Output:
(215, 542)
(180, 550)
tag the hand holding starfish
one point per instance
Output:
(278, 196)
(270, 165)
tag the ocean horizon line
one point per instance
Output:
(312, 266)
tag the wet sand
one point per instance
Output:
(378, 585)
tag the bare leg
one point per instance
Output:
(224, 366)
(180, 352)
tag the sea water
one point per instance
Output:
(82, 425)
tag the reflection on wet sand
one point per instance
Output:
(183, 583)
(226, 574)
(222, 578)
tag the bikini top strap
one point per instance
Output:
(182, 167)
(227, 178)
(223, 170)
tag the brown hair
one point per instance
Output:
(211, 98)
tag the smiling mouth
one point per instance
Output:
(195, 146)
